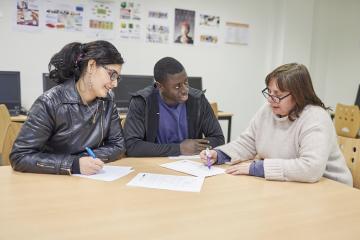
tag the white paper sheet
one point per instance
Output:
(193, 168)
(108, 173)
(185, 157)
(168, 182)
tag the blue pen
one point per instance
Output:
(208, 156)
(90, 152)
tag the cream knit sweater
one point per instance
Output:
(303, 150)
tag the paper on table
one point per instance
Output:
(108, 173)
(185, 157)
(193, 168)
(168, 182)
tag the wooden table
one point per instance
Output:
(37, 206)
(19, 118)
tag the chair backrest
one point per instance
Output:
(11, 134)
(350, 147)
(214, 107)
(4, 123)
(347, 120)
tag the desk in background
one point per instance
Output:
(226, 116)
(39, 206)
(19, 118)
(222, 116)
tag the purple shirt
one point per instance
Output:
(172, 123)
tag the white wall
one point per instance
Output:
(336, 50)
(280, 31)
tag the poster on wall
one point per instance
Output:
(208, 31)
(63, 16)
(184, 26)
(130, 20)
(101, 19)
(27, 15)
(236, 33)
(157, 30)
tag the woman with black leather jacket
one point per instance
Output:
(77, 113)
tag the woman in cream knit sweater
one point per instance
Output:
(292, 134)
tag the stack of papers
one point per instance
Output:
(108, 173)
(168, 182)
(193, 168)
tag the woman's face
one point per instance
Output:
(285, 105)
(105, 79)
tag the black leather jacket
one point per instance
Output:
(59, 127)
(142, 123)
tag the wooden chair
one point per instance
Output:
(347, 120)
(214, 107)
(350, 148)
(11, 134)
(4, 124)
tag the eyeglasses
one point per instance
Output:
(114, 76)
(273, 98)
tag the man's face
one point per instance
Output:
(175, 89)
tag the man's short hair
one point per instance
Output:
(165, 66)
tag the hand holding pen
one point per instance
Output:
(90, 164)
(208, 157)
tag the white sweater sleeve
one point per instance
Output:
(244, 147)
(314, 142)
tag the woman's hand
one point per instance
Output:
(212, 155)
(242, 168)
(89, 165)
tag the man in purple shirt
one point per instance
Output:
(170, 118)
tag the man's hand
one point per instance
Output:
(193, 146)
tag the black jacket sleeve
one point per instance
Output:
(26, 155)
(113, 146)
(135, 134)
(210, 126)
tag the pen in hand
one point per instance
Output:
(90, 152)
(208, 156)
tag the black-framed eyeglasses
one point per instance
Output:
(114, 76)
(275, 99)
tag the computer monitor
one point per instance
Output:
(10, 92)
(47, 82)
(357, 101)
(195, 82)
(130, 84)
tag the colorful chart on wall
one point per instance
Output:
(101, 19)
(130, 20)
(27, 15)
(63, 16)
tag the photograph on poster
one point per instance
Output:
(27, 13)
(184, 26)
(209, 20)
